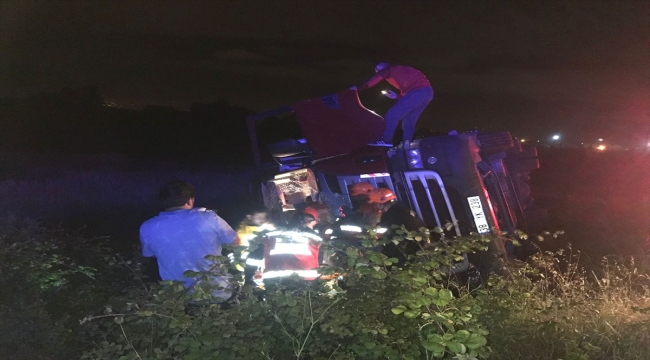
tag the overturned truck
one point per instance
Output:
(476, 181)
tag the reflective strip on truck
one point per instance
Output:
(365, 176)
(479, 215)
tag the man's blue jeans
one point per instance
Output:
(408, 109)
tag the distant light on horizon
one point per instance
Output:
(600, 139)
(601, 147)
(523, 140)
(556, 137)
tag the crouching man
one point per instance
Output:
(181, 236)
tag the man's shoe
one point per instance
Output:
(380, 143)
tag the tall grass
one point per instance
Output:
(569, 313)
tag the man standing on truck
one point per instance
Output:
(181, 236)
(415, 94)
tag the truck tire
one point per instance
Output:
(494, 142)
(523, 164)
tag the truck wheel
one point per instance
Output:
(494, 142)
(523, 164)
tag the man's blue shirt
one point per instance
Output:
(180, 240)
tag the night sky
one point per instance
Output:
(577, 68)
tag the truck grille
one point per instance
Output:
(430, 199)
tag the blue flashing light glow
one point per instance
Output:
(414, 158)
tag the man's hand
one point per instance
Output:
(390, 94)
(353, 88)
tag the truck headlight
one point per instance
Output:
(414, 158)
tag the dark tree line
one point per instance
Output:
(77, 121)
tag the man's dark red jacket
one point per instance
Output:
(403, 78)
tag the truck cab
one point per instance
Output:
(475, 181)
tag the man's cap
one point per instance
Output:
(361, 188)
(381, 196)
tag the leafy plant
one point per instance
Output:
(378, 308)
(49, 278)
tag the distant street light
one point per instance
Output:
(600, 140)
(523, 140)
(556, 137)
(601, 147)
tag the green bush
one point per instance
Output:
(546, 308)
(51, 278)
(555, 310)
(48, 280)
(384, 312)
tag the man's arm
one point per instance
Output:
(150, 263)
(144, 240)
(226, 233)
(374, 80)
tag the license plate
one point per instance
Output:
(479, 215)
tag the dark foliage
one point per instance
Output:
(78, 121)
